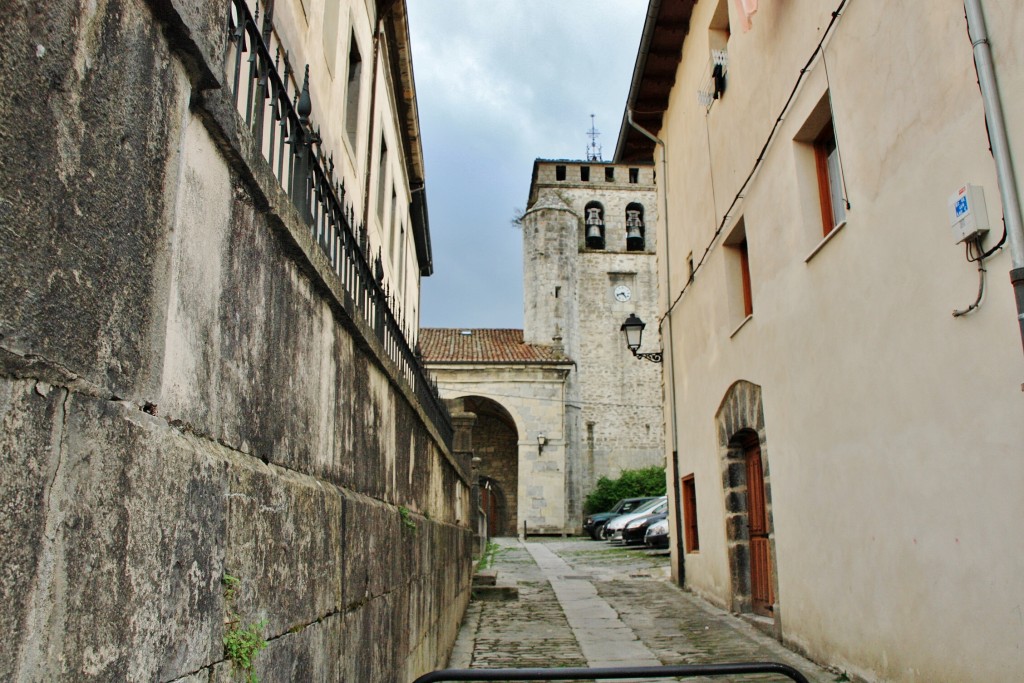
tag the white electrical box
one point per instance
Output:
(968, 216)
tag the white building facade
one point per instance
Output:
(849, 420)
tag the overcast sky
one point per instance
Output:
(500, 83)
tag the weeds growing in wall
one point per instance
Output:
(241, 643)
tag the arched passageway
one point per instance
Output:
(495, 442)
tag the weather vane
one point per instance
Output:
(593, 149)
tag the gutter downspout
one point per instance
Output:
(1008, 193)
(670, 366)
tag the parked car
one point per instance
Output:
(657, 535)
(613, 529)
(635, 532)
(594, 524)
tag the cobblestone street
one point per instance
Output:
(584, 603)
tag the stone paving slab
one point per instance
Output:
(585, 603)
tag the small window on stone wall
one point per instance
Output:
(634, 227)
(609, 174)
(585, 173)
(559, 172)
(634, 175)
(594, 220)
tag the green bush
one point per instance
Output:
(649, 481)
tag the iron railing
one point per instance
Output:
(611, 673)
(276, 112)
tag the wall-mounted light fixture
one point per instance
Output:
(633, 328)
(541, 439)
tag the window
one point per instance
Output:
(821, 175)
(355, 77)
(634, 175)
(382, 172)
(748, 299)
(609, 174)
(634, 227)
(830, 179)
(594, 221)
(330, 34)
(719, 30)
(585, 173)
(692, 539)
(402, 257)
(739, 290)
(394, 225)
(559, 172)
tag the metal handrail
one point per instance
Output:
(610, 673)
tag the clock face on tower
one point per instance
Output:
(622, 293)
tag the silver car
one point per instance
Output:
(613, 529)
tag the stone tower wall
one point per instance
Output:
(614, 400)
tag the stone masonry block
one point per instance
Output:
(283, 544)
(31, 423)
(310, 653)
(128, 582)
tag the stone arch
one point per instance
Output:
(740, 427)
(496, 443)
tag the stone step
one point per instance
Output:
(487, 577)
(495, 593)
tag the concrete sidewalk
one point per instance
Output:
(587, 604)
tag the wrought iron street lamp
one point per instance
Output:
(633, 328)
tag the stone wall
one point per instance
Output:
(184, 392)
(532, 395)
(613, 401)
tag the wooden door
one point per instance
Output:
(489, 502)
(757, 518)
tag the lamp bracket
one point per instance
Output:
(653, 357)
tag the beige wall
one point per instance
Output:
(300, 28)
(894, 431)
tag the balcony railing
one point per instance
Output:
(276, 111)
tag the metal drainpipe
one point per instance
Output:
(1008, 193)
(670, 365)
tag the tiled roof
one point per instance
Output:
(460, 345)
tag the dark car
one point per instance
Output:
(593, 524)
(657, 535)
(635, 532)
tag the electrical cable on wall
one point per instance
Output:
(980, 259)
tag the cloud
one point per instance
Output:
(499, 84)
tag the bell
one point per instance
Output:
(595, 235)
(634, 231)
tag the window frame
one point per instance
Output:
(829, 183)
(353, 92)
(691, 533)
